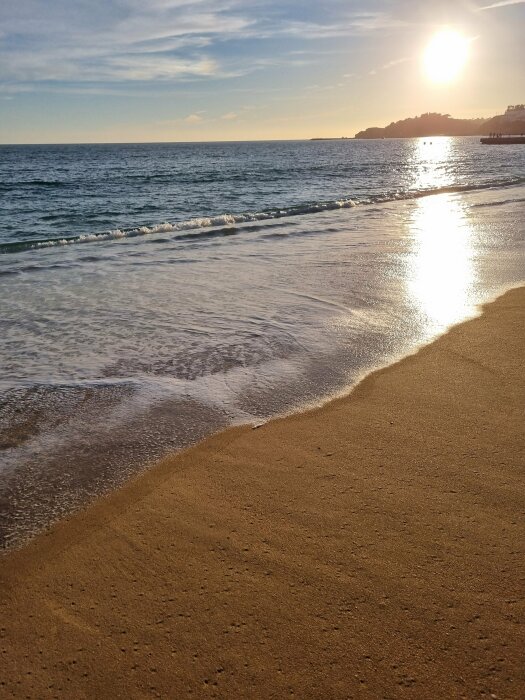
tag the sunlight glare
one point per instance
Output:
(445, 56)
(431, 162)
(441, 273)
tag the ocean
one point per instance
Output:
(152, 294)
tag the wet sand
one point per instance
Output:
(372, 548)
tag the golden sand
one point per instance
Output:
(372, 548)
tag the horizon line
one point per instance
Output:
(150, 143)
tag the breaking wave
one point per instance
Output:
(231, 220)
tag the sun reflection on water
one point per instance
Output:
(431, 159)
(441, 270)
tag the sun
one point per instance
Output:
(445, 56)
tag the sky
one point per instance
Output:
(79, 71)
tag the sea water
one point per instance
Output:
(151, 294)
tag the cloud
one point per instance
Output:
(503, 3)
(351, 24)
(230, 116)
(395, 62)
(193, 119)
(111, 43)
(157, 68)
(389, 64)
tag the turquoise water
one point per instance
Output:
(152, 294)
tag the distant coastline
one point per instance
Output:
(332, 138)
(512, 122)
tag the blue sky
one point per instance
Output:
(153, 70)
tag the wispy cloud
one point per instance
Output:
(193, 119)
(114, 42)
(395, 62)
(389, 64)
(503, 3)
(347, 25)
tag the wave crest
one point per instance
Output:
(230, 220)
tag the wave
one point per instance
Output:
(187, 225)
(192, 227)
(500, 202)
(5, 187)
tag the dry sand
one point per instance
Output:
(372, 548)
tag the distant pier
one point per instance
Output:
(491, 140)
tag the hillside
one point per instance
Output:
(435, 124)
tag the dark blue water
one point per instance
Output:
(49, 193)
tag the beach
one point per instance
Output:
(370, 548)
(208, 286)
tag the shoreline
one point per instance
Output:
(346, 391)
(301, 556)
(9, 546)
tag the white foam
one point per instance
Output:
(201, 222)
(228, 219)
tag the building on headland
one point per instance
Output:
(511, 127)
(514, 113)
